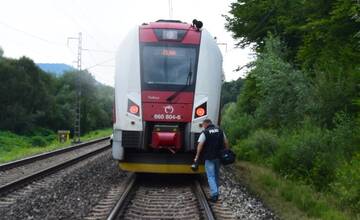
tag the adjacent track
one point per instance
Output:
(19, 173)
(27, 160)
(141, 200)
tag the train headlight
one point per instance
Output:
(170, 34)
(200, 111)
(133, 108)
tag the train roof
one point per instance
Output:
(168, 24)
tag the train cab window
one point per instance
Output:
(164, 65)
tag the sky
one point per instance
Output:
(40, 29)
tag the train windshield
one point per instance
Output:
(168, 65)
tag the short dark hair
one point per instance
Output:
(207, 121)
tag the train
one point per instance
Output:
(168, 79)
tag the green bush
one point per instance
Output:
(307, 154)
(9, 141)
(345, 135)
(260, 145)
(245, 124)
(239, 128)
(38, 141)
(50, 138)
(275, 92)
(236, 127)
(347, 184)
(245, 152)
(45, 134)
(323, 171)
(265, 142)
(39, 131)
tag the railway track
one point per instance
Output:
(159, 198)
(138, 197)
(19, 173)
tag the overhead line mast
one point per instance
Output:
(170, 9)
(77, 121)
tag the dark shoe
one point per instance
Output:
(214, 198)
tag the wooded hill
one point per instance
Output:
(33, 100)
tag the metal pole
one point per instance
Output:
(170, 9)
(77, 122)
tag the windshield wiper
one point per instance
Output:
(188, 82)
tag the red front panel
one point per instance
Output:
(156, 108)
(192, 37)
(167, 112)
(147, 35)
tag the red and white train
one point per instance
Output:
(168, 80)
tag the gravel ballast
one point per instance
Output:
(69, 194)
(74, 192)
(234, 195)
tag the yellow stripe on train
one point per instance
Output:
(159, 168)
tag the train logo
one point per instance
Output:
(169, 109)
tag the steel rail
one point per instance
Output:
(120, 205)
(5, 189)
(209, 215)
(27, 160)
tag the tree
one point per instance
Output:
(317, 35)
(26, 95)
(251, 21)
(230, 90)
(298, 110)
(275, 93)
(320, 39)
(1, 52)
(96, 101)
(32, 99)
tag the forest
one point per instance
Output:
(297, 111)
(34, 102)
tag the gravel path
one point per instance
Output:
(235, 196)
(69, 194)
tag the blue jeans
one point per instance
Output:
(212, 171)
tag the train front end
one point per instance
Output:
(168, 80)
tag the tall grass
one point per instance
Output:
(290, 199)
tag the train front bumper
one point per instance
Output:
(160, 168)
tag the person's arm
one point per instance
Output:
(200, 146)
(198, 150)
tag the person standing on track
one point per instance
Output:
(211, 142)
